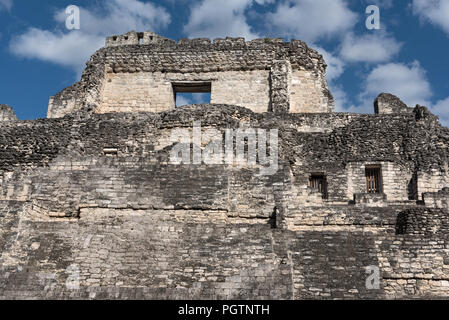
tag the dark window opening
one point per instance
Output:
(273, 218)
(413, 187)
(186, 93)
(373, 179)
(140, 37)
(319, 183)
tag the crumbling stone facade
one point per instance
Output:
(92, 207)
(387, 103)
(7, 113)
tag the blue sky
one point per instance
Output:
(407, 56)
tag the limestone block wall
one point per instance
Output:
(438, 199)
(150, 256)
(433, 180)
(249, 89)
(394, 178)
(413, 265)
(135, 38)
(139, 184)
(118, 254)
(308, 92)
(143, 92)
(26, 145)
(423, 221)
(153, 92)
(332, 217)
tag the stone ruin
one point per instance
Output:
(91, 207)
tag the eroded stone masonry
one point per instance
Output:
(92, 207)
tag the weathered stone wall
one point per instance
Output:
(438, 199)
(82, 94)
(148, 254)
(387, 103)
(432, 180)
(423, 221)
(96, 196)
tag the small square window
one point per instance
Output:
(183, 98)
(373, 179)
(319, 183)
(191, 93)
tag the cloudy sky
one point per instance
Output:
(408, 55)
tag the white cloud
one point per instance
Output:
(73, 48)
(182, 101)
(441, 108)
(335, 66)
(433, 11)
(5, 4)
(343, 103)
(192, 98)
(372, 47)
(340, 97)
(67, 49)
(199, 98)
(215, 18)
(311, 20)
(408, 82)
(121, 16)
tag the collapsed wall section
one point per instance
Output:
(84, 93)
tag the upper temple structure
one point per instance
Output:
(142, 72)
(115, 195)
